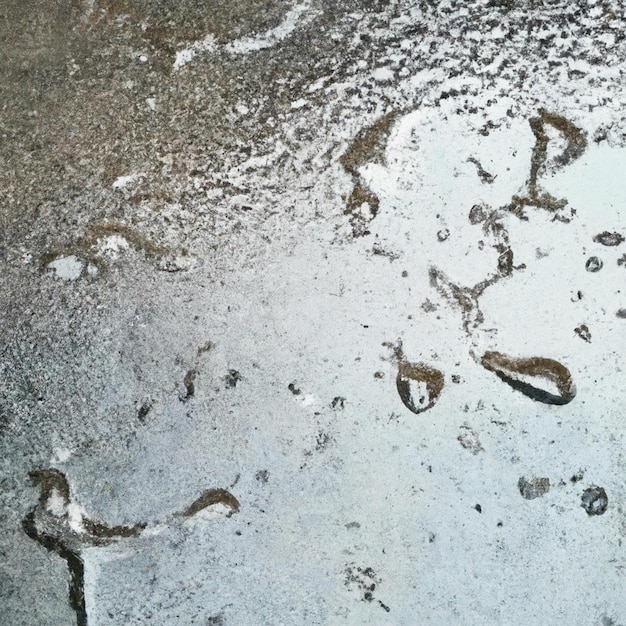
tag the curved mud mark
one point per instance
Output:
(594, 500)
(533, 488)
(576, 142)
(419, 385)
(367, 147)
(466, 298)
(212, 497)
(60, 525)
(522, 374)
(484, 176)
(609, 239)
(593, 264)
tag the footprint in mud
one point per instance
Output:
(541, 379)
(60, 525)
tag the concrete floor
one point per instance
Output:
(312, 312)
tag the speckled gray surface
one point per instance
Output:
(312, 313)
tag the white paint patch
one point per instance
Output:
(67, 267)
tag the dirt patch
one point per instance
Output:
(519, 372)
(531, 488)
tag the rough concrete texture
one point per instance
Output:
(312, 313)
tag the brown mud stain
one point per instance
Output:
(576, 144)
(484, 176)
(367, 147)
(211, 497)
(419, 385)
(517, 372)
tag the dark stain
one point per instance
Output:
(359, 197)
(466, 298)
(75, 565)
(576, 144)
(478, 508)
(216, 620)
(583, 332)
(609, 239)
(366, 581)
(338, 402)
(621, 313)
(594, 500)
(593, 264)
(442, 235)
(207, 347)
(262, 476)
(232, 378)
(367, 147)
(144, 409)
(49, 480)
(211, 497)
(55, 534)
(420, 373)
(189, 383)
(478, 214)
(101, 229)
(533, 488)
(322, 440)
(294, 390)
(622, 261)
(577, 477)
(53, 531)
(484, 176)
(510, 369)
(102, 531)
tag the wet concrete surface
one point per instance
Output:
(220, 222)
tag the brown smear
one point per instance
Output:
(512, 370)
(367, 147)
(55, 533)
(211, 497)
(420, 373)
(576, 144)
